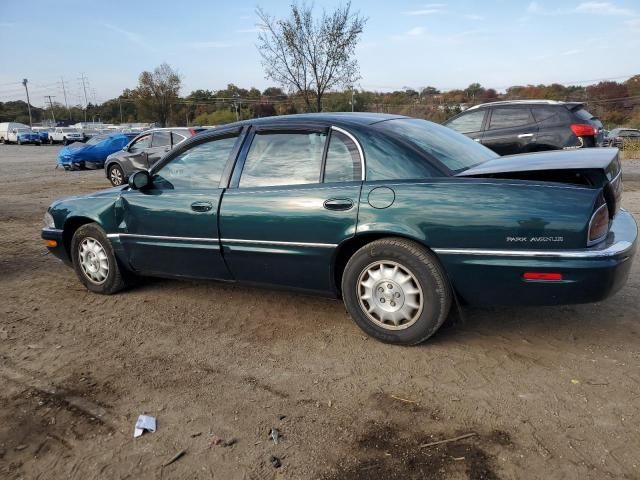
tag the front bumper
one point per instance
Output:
(495, 277)
(59, 250)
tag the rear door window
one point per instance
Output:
(283, 158)
(509, 117)
(468, 122)
(551, 115)
(161, 139)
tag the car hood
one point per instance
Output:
(579, 159)
(113, 192)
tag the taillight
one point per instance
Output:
(582, 130)
(544, 276)
(192, 131)
(599, 224)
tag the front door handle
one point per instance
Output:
(201, 206)
(338, 204)
(525, 135)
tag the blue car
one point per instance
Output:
(93, 153)
(25, 135)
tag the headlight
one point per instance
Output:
(48, 221)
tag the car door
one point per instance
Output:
(136, 158)
(510, 130)
(171, 228)
(160, 145)
(469, 123)
(294, 198)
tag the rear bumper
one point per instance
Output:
(494, 277)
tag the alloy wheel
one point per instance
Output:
(390, 295)
(93, 260)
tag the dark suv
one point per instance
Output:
(143, 151)
(521, 126)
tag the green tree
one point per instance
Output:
(158, 91)
(309, 55)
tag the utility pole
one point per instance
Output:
(51, 107)
(86, 102)
(24, 82)
(64, 91)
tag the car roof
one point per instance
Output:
(507, 103)
(335, 118)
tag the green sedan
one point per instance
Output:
(399, 217)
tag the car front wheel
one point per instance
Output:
(396, 291)
(94, 260)
(116, 175)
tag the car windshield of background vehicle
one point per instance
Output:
(199, 167)
(343, 160)
(97, 139)
(283, 159)
(509, 117)
(468, 123)
(454, 151)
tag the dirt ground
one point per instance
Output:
(549, 393)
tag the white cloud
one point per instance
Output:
(473, 16)
(412, 33)
(534, 7)
(207, 45)
(603, 8)
(571, 52)
(131, 36)
(428, 9)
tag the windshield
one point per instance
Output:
(69, 130)
(97, 139)
(452, 149)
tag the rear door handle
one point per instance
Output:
(201, 206)
(338, 204)
(525, 135)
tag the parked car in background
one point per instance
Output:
(618, 136)
(522, 126)
(144, 151)
(65, 135)
(43, 132)
(93, 153)
(7, 131)
(24, 135)
(397, 216)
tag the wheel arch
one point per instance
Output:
(347, 248)
(71, 225)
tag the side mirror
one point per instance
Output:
(140, 180)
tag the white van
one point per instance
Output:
(6, 129)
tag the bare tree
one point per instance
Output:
(157, 91)
(311, 56)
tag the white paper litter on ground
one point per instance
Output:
(145, 422)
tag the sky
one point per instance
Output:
(404, 44)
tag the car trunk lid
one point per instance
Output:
(597, 167)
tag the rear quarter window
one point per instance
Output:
(509, 117)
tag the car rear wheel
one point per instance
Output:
(396, 291)
(116, 175)
(94, 260)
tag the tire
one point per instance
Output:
(420, 303)
(116, 175)
(65, 142)
(51, 142)
(98, 268)
(19, 142)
